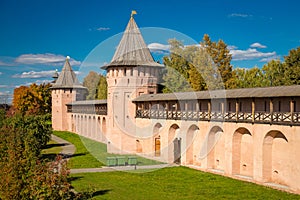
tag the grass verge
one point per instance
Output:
(90, 153)
(51, 150)
(172, 183)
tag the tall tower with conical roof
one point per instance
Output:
(66, 89)
(131, 73)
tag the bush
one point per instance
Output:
(23, 175)
(34, 129)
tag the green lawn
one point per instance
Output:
(91, 154)
(172, 183)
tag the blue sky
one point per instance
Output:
(36, 36)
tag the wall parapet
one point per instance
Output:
(280, 118)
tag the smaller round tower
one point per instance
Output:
(66, 89)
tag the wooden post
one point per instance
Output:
(222, 109)
(253, 110)
(237, 108)
(197, 106)
(209, 109)
(271, 109)
(292, 105)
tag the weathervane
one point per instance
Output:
(133, 12)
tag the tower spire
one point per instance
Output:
(133, 12)
(67, 78)
(132, 49)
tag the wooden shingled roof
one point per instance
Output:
(67, 78)
(281, 91)
(132, 49)
(87, 102)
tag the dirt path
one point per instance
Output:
(68, 149)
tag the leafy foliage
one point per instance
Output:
(35, 99)
(102, 88)
(249, 78)
(197, 67)
(96, 84)
(221, 57)
(292, 67)
(91, 81)
(2, 116)
(23, 174)
(274, 73)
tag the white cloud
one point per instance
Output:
(38, 82)
(159, 48)
(268, 59)
(1, 73)
(239, 15)
(47, 58)
(43, 81)
(258, 45)
(237, 54)
(232, 47)
(251, 54)
(103, 29)
(4, 86)
(33, 74)
(40, 74)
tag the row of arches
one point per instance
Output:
(216, 150)
(90, 126)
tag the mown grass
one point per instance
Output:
(51, 150)
(172, 183)
(91, 154)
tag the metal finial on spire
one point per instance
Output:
(133, 12)
(68, 58)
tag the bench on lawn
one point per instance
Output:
(121, 161)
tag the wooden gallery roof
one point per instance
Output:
(280, 91)
(88, 102)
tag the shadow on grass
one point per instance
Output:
(48, 146)
(100, 192)
(75, 155)
(70, 179)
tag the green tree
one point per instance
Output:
(23, 174)
(175, 82)
(292, 67)
(102, 88)
(176, 77)
(202, 71)
(2, 117)
(221, 56)
(91, 81)
(249, 78)
(273, 73)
